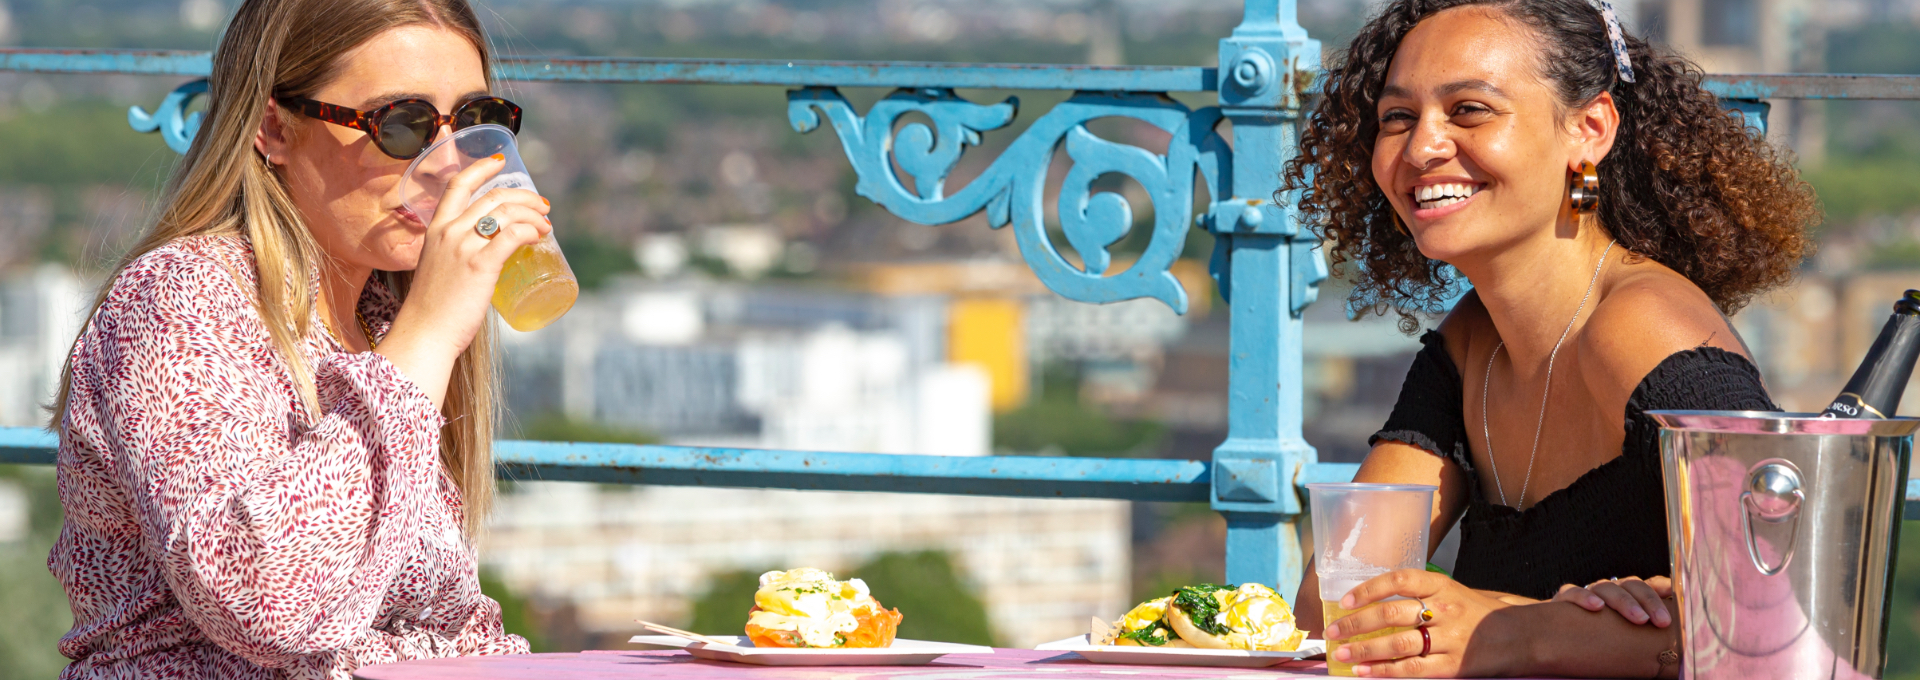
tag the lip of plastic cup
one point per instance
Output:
(421, 193)
(1364, 486)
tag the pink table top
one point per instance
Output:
(1003, 664)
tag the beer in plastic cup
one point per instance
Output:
(536, 286)
(1361, 531)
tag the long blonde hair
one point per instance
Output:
(285, 48)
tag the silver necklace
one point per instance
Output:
(1486, 433)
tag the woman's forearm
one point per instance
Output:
(1509, 598)
(425, 358)
(1561, 638)
(1307, 614)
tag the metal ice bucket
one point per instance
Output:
(1783, 528)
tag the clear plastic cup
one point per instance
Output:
(536, 286)
(1361, 531)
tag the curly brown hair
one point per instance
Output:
(1686, 183)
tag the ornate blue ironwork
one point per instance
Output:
(1011, 189)
(1267, 268)
(174, 124)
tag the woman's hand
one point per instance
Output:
(453, 284)
(1458, 614)
(1640, 601)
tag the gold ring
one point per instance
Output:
(487, 226)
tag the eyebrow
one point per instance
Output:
(1474, 84)
(1447, 89)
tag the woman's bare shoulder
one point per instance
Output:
(1467, 320)
(1644, 316)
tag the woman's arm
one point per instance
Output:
(277, 540)
(1473, 635)
(1392, 462)
(1567, 640)
(453, 284)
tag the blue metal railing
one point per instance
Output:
(1030, 476)
(1266, 268)
(1171, 481)
(640, 71)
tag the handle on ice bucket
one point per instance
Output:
(1773, 493)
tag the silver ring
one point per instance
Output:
(1426, 613)
(487, 226)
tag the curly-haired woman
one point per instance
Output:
(1609, 213)
(275, 427)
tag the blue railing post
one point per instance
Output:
(1753, 111)
(1268, 269)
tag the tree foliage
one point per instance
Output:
(35, 606)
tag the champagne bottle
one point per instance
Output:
(1874, 391)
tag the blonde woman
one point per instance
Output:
(275, 428)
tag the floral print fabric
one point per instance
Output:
(215, 528)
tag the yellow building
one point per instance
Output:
(987, 318)
(991, 332)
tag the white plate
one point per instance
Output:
(1182, 656)
(741, 650)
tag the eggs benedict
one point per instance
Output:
(1249, 617)
(807, 608)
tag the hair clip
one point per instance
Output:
(1616, 39)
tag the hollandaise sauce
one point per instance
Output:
(1249, 616)
(1146, 625)
(808, 608)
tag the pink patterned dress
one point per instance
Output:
(216, 529)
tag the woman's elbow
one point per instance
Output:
(282, 641)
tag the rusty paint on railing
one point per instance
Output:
(138, 62)
(1812, 86)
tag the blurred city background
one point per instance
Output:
(738, 293)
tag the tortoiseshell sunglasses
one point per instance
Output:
(407, 127)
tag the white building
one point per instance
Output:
(1041, 566)
(770, 367)
(40, 314)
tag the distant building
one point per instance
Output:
(40, 314)
(1757, 36)
(767, 365)
(1042, 566)
(756, 365)
(1809, 336)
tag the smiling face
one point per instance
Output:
(1473, 145)
(345, 187)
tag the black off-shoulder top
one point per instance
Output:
(1610, 522)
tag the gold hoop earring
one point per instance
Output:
(1583, 190)
(1399, 225)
